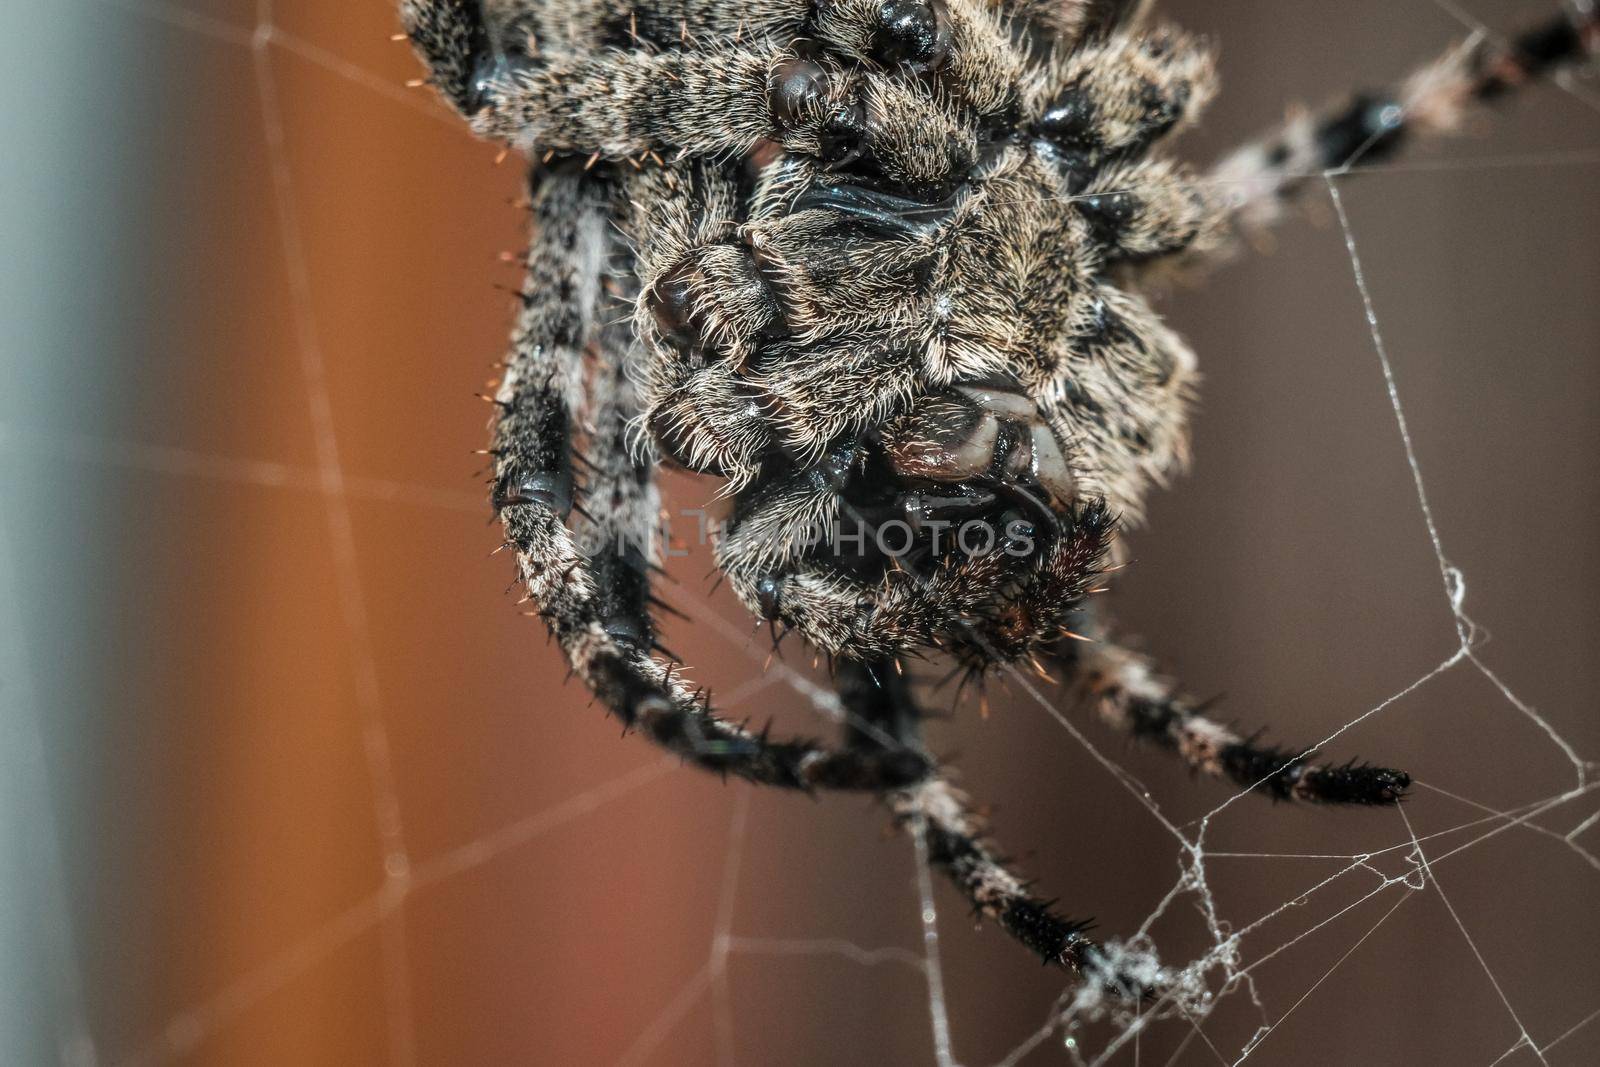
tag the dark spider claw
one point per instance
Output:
(671, 303)
(1031, 504)
(912, 33)
(843, 138)
(921, 509)
(797, 91)
(768, 596)
(1017, 525)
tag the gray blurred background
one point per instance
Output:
(287, 780)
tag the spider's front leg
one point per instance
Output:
(595, 599)
(1121, 380)
(883, 712)
(1258, 183)
(468, 44)
(621, 82)
(1130, 696)
(610, 79)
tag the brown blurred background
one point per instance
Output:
(291, 782)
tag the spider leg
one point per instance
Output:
(705, 297)
(452, 39)
(619, 105)
(703, 308)
(1046, 24)
(667, 24)
(1130, 696)
(962, 45)
(1124, 379)
(582, 94)
(571, 92)
(883, 712)
(1257, 183)
(466, 44)
(596, 605)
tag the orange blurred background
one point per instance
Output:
(296, 784)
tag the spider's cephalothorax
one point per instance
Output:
(875, 264)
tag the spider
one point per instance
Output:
(876, 264)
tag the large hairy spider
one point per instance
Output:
(876, 264)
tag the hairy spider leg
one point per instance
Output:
(959, 845)
(1130, 696)
(597, 606)
(1259, 182)
(609, 91)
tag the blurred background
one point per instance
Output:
(287, 779)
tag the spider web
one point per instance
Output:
(1279, 919)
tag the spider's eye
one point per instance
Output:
(843, 136)
(912, 33)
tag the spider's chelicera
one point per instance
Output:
(876, 264)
